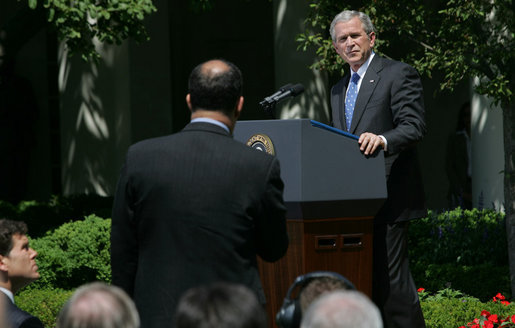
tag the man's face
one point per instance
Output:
(352, 43)
(20, 263)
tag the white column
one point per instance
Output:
(487, 154)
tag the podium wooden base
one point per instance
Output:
(342, 245)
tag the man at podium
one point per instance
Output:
(381, 101)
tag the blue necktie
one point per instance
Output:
(350, 100)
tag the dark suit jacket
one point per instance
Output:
(390, 103)
(193, 208)
(18, 318)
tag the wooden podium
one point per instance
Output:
(332, 192)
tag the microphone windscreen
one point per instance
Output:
(297, 89)
(285, 87)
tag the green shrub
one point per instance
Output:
(44, 216)
(43, 303)
(453, 309)
(39, 217)
(481, 280)
(7, 210)
(74, 254)
(75, 207)
(462, 249)
(465, 237)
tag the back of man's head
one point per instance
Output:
(8, 228)
(215, 85)
(221, 305)
(342, 309)
(98, 305)
(318, 286)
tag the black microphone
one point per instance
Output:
(295, 90)
(285, 91)
(270, 99)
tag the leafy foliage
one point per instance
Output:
(448, 308)
(44, 216)
(74, 254)
(462, 249)
(111, 21)
(43, 303)
(459, 236)
(461, 38)
(479, 280)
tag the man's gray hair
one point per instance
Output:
(346, 16)
(98, 305)
(342, 309)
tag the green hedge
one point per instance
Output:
(43, 303)
(74, 254)
(452, 309)
(461, 249)
(446, 309)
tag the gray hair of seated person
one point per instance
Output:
(98, 305)
(342, 309)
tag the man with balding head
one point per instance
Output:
(196, 207)
(98, 305)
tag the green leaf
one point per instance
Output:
(33, 4)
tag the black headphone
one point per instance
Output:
(289, 314)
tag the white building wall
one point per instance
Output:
(291, 65)
(487, 154)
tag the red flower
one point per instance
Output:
(505, 303)
(485, 313)
(500, 296)
(420, 290)
(493, 318)
(513, 318)
(488, 324)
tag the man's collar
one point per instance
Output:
(8, 293)
(363, 68)
(212, 121)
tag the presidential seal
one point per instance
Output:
(261, 142)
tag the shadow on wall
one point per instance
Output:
(95, 98)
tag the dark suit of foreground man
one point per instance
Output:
(388, 114)
(196, 207)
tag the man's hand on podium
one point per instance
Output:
(369, 143)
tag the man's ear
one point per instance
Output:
(372, 37)
(3, 263)
(188, 101)
(239, 106)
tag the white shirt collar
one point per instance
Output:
(8, 293)
(212, 121)
(363, 68)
